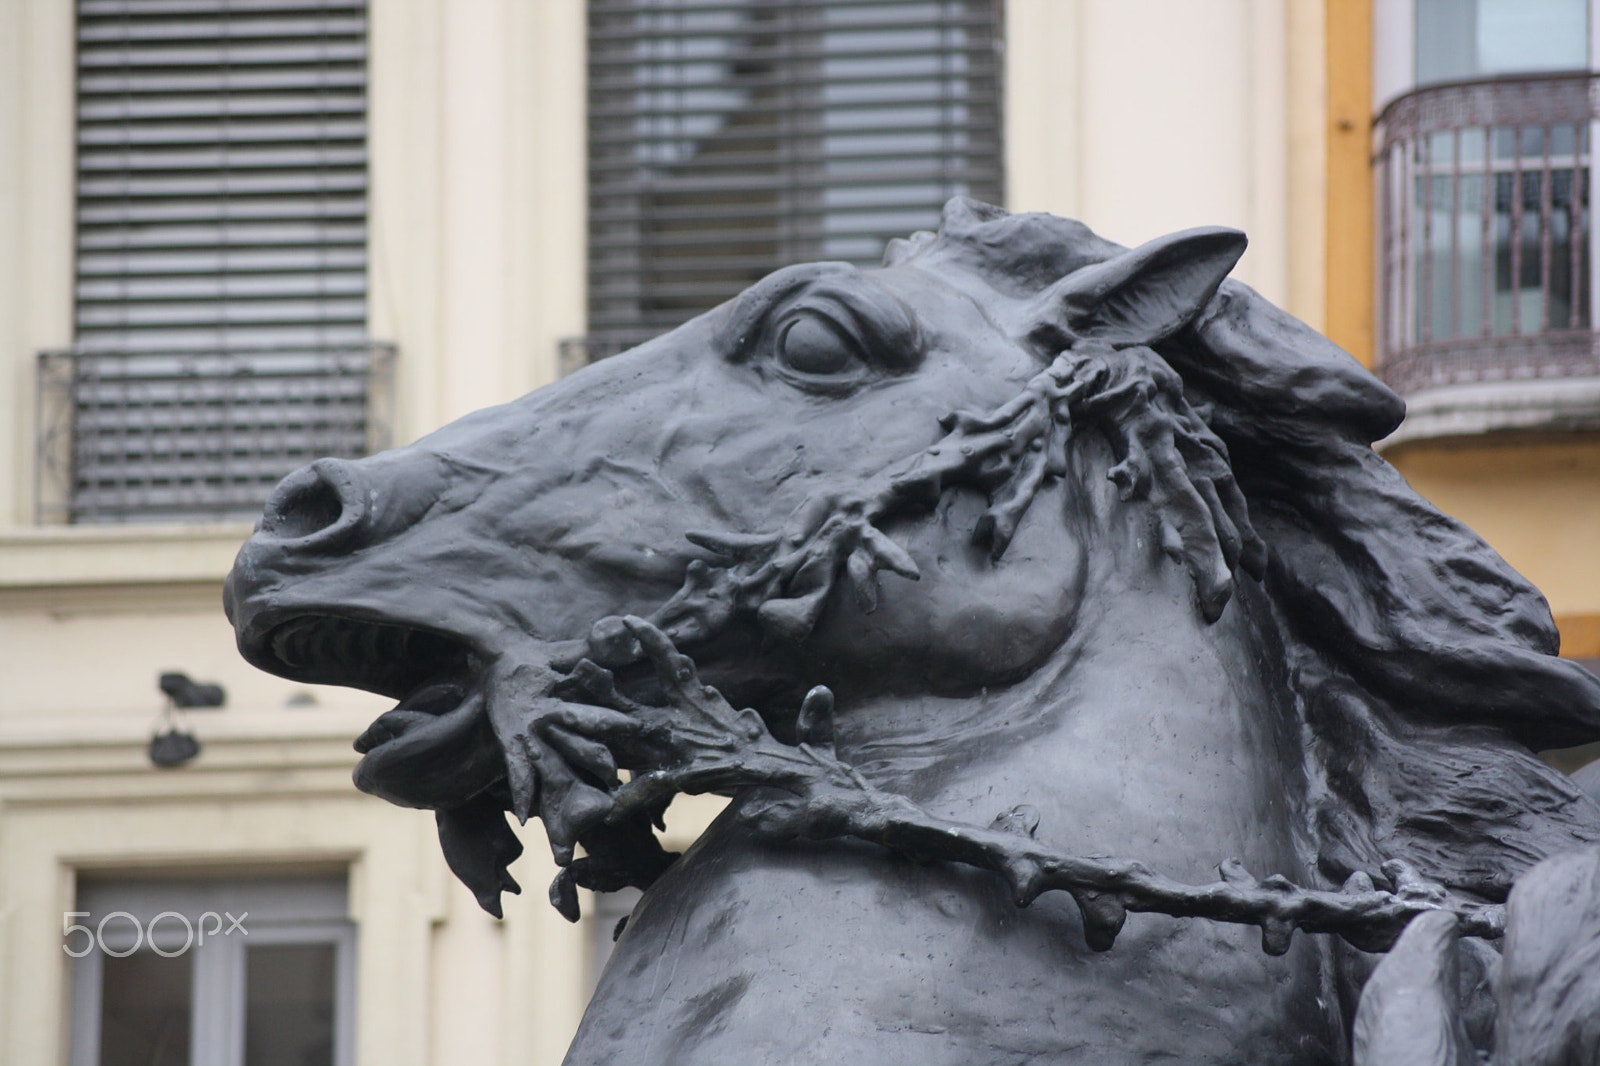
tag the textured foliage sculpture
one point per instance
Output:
(1021, 552)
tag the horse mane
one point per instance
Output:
(1424, 668)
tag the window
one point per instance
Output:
(728, 138)
(212, 973)
(220, 322)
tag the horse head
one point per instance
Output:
(829, 424)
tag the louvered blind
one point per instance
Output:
(728, 138)
(221, 250)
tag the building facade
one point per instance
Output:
(236, 235)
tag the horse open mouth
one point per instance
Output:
(389, 658)
(435, 747)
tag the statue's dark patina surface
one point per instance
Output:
(1021, 549)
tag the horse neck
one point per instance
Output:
(1147, 734)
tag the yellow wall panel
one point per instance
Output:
(1536, 501)
(1349, 278)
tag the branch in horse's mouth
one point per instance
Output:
(705, 745)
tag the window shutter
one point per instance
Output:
(221, 251)
(728, 138)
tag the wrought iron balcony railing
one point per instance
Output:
(199, 436)
(1486, 261)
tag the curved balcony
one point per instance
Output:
(1486, 268)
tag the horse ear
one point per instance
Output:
(1142, 296)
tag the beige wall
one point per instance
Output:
(1142, 117)
(478, 199)
(1537, 501)
(36, 201)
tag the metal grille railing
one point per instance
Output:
(728, 138)
(1484, 240)
(181, 436)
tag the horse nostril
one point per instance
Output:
(309, 509)
(320, 498)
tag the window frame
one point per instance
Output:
(275, 910)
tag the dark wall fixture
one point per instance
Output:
(186, 692)
(173, 744)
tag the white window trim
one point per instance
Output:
(217, 1006)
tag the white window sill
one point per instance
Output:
(40, 557)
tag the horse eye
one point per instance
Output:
(810, 346)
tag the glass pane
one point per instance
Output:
(1523, 35)
(1469, 239)
(1447, 46)
(1561, 140)
(1458, 39)
(1505, 142)
(1501, 228)
(1437, 315)
(1575, 249)
(1518, 292)
(288, 1017)
(144, 1010)
(1442, 148)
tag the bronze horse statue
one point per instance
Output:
(1022, 548)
